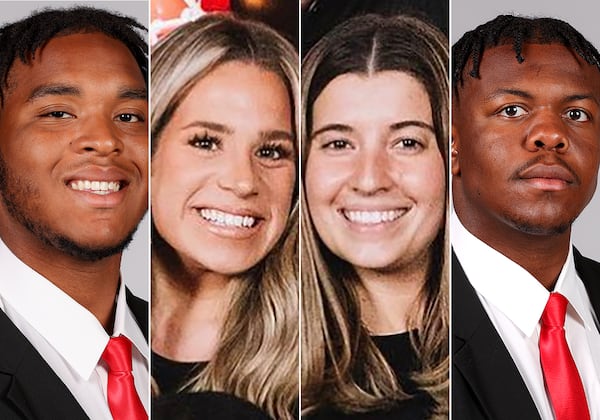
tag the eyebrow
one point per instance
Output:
(271, 135)
(526, 95)
(210, 126)
(128, 93)
(409, 123)
(507, 91)
(53, 90)
(393, 127)
(69, 90)
(332, 127)
(267, 135)
(582, 97)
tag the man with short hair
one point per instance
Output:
(525, 155)
(73, 188)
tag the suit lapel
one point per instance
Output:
(589, 272)
(139, 308)
(34, 389)
(481, 358)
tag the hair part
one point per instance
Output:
(341, 366)
(515, 30)
(21, 40)
(256, 358)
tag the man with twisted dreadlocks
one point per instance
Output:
(525, 155)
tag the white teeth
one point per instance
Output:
(227, 219)
(372, 217)
(96, 187)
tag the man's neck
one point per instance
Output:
(92, 284)
(543, 256)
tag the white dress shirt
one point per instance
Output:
(514, 300)
(69, 338)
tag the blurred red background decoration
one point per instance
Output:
(215, 5)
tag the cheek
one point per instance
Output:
(279, 188)
(139, 153)
(175, 176)
(425, 181)
(312, 176)
(324, 178)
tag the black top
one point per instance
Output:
(171, 376)
(398, 352)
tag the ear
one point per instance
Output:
(454, 151)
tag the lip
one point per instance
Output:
(229, 231)
(553, 177)
(102, 174)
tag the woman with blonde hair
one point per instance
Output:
(224, 245)
(374, 241)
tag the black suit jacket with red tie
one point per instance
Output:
(486, 383)
(29, 388)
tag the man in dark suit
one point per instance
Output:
(525, 156)
(73, 188)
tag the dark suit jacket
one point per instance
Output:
(29, 388)
(486, 383)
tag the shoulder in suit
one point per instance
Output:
(29, 388)
(486, 384)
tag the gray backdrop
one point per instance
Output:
(136, 261)
(468, 14)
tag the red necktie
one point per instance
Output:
(123, 400)
(560, 373)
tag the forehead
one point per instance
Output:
(75, 57)
(545, 66)
(357, 96)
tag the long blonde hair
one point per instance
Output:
(257, 354)
(336, 346)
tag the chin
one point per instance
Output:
(228, 265)
(370, 261)
(537, 227)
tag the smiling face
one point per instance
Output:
(73, 148)
(528, 142)
(223, 175)
(374, 177)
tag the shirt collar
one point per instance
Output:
(508, 286)
(68, 327)
(125, 324)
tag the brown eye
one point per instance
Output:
(129, 118)
(337, 144)
(577, 115)
(512, 111)
(58, 115)
(269, 153)
(205, 142)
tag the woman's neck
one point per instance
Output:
(387, 297)
(188, 310)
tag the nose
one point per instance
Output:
(239, 174)
(371, 174)
(98, 134)
(547, 132)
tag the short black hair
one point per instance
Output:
(23, 38)
(518, 30)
